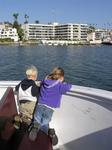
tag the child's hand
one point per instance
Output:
(38, 83)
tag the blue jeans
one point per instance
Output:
(43, 116)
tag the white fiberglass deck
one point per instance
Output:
(84, 121)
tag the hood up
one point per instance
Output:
(26, 83)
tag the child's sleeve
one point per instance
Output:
(35, 90)
(65, 87)
(17, 87)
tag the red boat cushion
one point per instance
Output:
(7, 104)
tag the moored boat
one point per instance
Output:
(107, 41)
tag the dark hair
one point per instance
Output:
(56, 73)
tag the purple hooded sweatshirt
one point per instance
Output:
(51, 92)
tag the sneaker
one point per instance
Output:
(26, 120)
(30, 126)
(33, 131)
(53, 136)
(17, 122)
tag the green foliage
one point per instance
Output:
(8, 23)
(20, 33)
(26, 18)
(91, 29)
(6, 40)
(37, 21)
(18, 26)
(15, 15)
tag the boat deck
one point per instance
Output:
(17, 139)
(13, 139)
(83, 122)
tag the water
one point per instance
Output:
(84, 65)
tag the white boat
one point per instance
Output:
(107, 40)
(84, 121)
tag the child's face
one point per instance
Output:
(34, 77)
(61, 79)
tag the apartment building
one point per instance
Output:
(71, 32)
(63, 32)
(97, 35)
(55, 31)
(8, 32)
(38, 31)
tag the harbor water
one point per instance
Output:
(84, 65)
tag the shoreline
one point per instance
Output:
(48, 43)
(18, 43)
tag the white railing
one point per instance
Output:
(88, 91)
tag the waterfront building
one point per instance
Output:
(55, 31)
(96, 36)
(71, 32)
(38, 31)
(2, 25)
(7, 32)
(99, 33)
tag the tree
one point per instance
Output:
(49, 23)
(15, 23)
(26, 18)
(91, 29)
(37, 21)
(20, 33)
(15, 15)
(8, 23)
(18, 26)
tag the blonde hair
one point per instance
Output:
(31, 71)
(56, 73)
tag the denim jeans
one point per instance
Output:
(43, 116)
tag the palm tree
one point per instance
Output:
(15, 15)
(15, 23)
(18, 26)
(37, 21)
(26, 18)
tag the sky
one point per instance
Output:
(97, 12)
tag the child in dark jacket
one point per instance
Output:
(28, 92)
(51, 90)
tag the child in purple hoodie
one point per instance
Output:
(52, 88)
